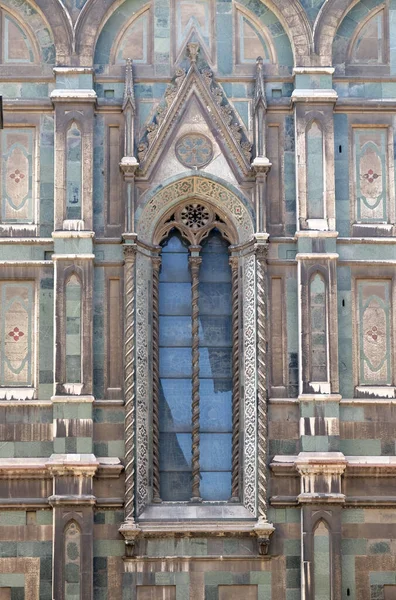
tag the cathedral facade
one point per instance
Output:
(198, 282)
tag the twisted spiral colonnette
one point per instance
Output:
(156, 381)
(235, 379)
(261, 253)
(194, 265)
(130, 255)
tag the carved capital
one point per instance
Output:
(263, 531)
(129, 252)
(261, 165)
(131, 532)
(129, 166)
(261, 251)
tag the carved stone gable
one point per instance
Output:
(199, 86)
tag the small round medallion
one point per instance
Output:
(194, 150)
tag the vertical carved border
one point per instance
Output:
(129, 374)
(156, 262)
(250, 413)
(143, 276)
(261, 257)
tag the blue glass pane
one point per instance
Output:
(175, 298)
(175, 486)
(174, 267)
(215, 243)
(215, 405)
(175, 451)
(215, 451)
(175, 405)
(214, 299)
(215, 362)
(175, 362)
(175, 243)
(215, 486)
(215, 268)
(215, 331)
(175, 331)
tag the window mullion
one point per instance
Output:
(195, 262)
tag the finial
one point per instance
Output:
(129, 94)
(193, 49)
(259, 91)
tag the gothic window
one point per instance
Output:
(322, 563)
(374, 314)
(72, 557)
(17, 161)
(193, 370)
(317, 299)
(73, 330)
(371, 181)
(17, 323)
(315, 172)
(73, 172)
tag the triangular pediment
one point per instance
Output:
(197, 87)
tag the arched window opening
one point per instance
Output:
(72, 554)
(317, 297)
(73, 330)
(194, 360)
(315, 172)
(73, 173)
(322, 562)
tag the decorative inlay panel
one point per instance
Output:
(371, 165)
(194, 150)
(374, 333)
(16, 356)
(17, 175)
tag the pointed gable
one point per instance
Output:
(200, 87)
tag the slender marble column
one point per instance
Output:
(234, 262)
(195, 262)
(156, 262)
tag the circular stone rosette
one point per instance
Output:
(194, 150)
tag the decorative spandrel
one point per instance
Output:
(194, 150)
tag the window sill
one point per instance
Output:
(372, 391)
(18, 230)
(17, 393)
(372, 230)
(193, 512)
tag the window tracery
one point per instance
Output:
(195, 359)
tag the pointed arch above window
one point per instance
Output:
(17, 46)
(368, 44)
(251, 40)
(134, 40)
